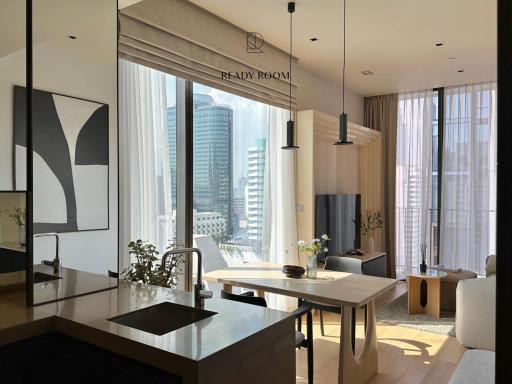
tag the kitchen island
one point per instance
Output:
(240, 343)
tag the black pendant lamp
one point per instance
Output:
(290, 124)
(343, 136)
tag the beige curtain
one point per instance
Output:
(380, 113)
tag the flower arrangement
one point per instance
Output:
(17, 215)
(370, 223)
(314, 246)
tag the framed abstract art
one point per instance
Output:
(70, 161)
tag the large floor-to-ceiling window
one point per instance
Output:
(446, 177)
(242, 183)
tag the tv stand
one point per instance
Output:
(353, 252)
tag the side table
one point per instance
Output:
(424, 291)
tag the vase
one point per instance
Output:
(370, 245)
(311, 267)
(22, 234)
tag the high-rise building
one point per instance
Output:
(213, 157)
(255, 192)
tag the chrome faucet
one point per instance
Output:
(199, 292)
(56, 261)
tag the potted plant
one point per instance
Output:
(18, 215)
(312, 249)
(369, 224)
(148, 270)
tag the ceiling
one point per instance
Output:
(394, 39)
(50, 19)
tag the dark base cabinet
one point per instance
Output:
(57, 358)
(12, 261)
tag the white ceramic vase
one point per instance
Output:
(22, 234)
(370, 245)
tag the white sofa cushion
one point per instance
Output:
(475, 320)
(475, 367)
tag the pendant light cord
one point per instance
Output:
(291, 47)
(344, 35)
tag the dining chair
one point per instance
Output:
(301, 340)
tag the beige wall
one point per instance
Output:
(320, 94)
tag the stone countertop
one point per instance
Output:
(86, 317)
(72, 283)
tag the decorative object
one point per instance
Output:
(293, 271)
(312, 249)
(423, 265)
(290, 124)
(145, 268)
(369, 224)
(18, 215)
(343, 135)
(71, 161)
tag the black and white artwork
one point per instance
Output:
(70, 161)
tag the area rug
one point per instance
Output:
(396, 314)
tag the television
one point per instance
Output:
(338, 216)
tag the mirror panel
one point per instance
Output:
(74, 147)
(13, 260)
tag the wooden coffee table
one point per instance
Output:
(424, 291)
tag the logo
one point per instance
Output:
(254, 42)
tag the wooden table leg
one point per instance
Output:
(360, 369)
(228, 288)
(261, 293)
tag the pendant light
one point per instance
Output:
(290, 124)
(343, 135)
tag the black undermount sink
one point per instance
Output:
(162, 318)
(40, 277)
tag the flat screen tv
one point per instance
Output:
(338, 216)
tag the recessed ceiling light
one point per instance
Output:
(439, 44)
(460, 70)
(367, 73)
(314, 39)
(72, 37)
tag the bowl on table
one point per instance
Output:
(293, 271)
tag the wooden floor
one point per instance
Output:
(406, 355)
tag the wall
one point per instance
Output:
(317, 93)
(86, 68)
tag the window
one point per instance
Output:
(446, 176)
(242, 204)
(468, 196)
(230, 151)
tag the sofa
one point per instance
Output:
(475, 319)
(475, 327)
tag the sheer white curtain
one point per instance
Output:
(468, 196)
(145, 164)
(413, 177)
(279, 216)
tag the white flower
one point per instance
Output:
(325, 237)
(316, 240)
(326, 249)
(301, 243)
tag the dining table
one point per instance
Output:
(341, 289)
